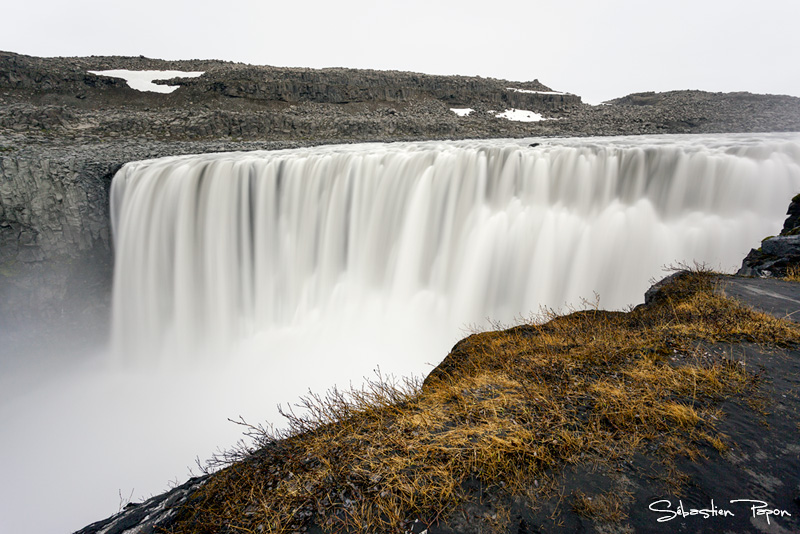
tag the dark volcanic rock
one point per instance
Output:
(701, 111)
(777, 253)
(149, 517)
(782, 245)
(279, 84)
(791, 225)
(57, 98)
(55, 242)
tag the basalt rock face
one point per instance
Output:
(777, 253)
(704, 112)
(55, 238)
(59, 97)
(71, 76)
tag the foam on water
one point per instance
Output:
(218, 248)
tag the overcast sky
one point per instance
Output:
(597, 49)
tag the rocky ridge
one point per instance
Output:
(778, 255)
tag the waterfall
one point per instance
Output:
(214, 249)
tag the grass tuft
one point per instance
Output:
(604, 508)
(792, 273)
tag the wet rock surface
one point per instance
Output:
(148, 517)
(777, 254)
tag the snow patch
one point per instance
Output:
(521, 115)
(142, 80)
(462, 112)
(534, 92)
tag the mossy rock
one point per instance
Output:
(793, 231)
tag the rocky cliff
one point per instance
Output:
(778, 256)
(55, 238)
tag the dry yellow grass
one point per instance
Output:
(604, 507)
(792, 273)
(504, 408)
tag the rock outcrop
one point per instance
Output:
(148, 517)
(55, 237)
(777, 254)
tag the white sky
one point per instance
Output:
(599, 50)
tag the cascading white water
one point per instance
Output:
(319, 264)
(216, 248)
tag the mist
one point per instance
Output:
(84, 435)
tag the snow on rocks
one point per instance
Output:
(535, 92)
(462, 112)
(521, 115)
(142, 80)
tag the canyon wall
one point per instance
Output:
(64, 132)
